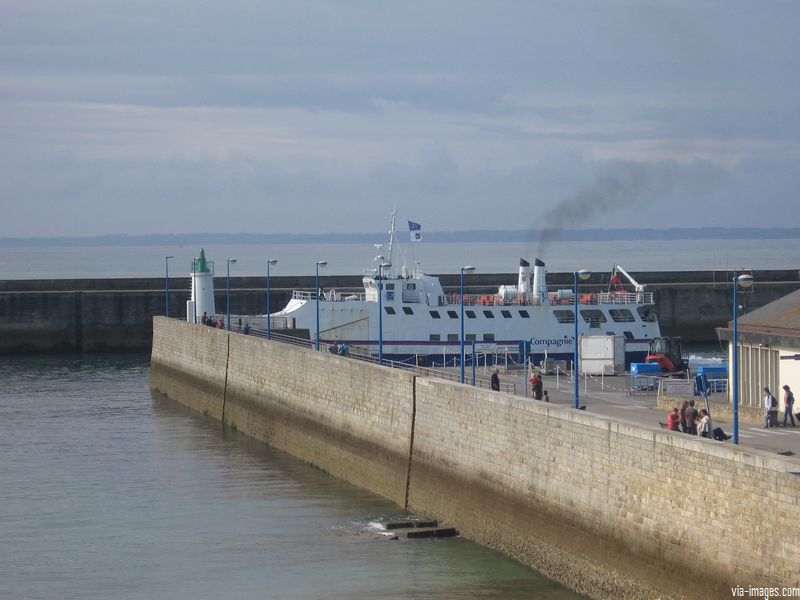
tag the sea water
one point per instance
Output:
(108, 491)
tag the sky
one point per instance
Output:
(145, 116)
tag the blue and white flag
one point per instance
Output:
(416, 231)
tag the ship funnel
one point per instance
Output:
(539, 291)
(524, 281)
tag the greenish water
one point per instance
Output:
(109, 492)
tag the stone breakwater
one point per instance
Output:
(102, 315)
(608, 509)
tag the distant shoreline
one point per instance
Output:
(564, 235)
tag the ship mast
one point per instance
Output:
(391, 243)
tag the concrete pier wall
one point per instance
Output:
(611, 510)
(96, 315)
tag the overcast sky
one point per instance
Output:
(148, 116)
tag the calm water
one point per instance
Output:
(352, 259)
(107, 492)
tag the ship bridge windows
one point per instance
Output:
(506, 314)
(389, 286)
(470, 314)
(435, 337)
(594, 317)
(470, 337)
(628, 335)
(488, 337)
(407, 310)
(452, 314)
(435, 314)
(564, 316)
(389, 310)
(647, 314)
(621, 315)
(452, 337)
(488, 314)
(524, 314)
(411, 286)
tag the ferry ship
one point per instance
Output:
(407, 316)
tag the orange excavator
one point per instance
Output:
(667, 352)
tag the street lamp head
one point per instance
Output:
(169, 257)
(583, 274)
(272, 261)
(467, 269)
(232, 260)
(322, 263)
(744, 281)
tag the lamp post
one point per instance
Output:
(271, 261)
(466, 269)
(166, 285)
(381, 267)
(320, 263)
(583, 275)
(745, 281)
(231, 261)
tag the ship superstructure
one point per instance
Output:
(418, 320)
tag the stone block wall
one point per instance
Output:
(567, 492)
(608, 509)
(350, 418)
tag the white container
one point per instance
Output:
(602, 354)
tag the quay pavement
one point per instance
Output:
(609, 398)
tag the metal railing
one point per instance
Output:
(359, 353)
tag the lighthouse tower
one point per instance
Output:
(202, 299)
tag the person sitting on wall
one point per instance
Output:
(674, 420)
(246, 329)
(344, 349)
(204, 319)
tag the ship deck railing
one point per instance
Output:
(612, 297)
(328, 296)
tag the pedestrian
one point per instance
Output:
(691, 419)
(674, 419)
(788, 405)
(683, 416)
(537, 388)
(246, 329)
(220, 324)
(770, 409)
(496, 380)
(344, 349)
(704, 426)
(204, 320)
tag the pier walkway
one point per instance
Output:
(614, 403)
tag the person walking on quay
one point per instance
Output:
(691, 419)
(536, 387)
(496, 380)
(770, 409)
(788, 405)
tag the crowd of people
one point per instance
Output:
(689, 420)
(212, 322)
